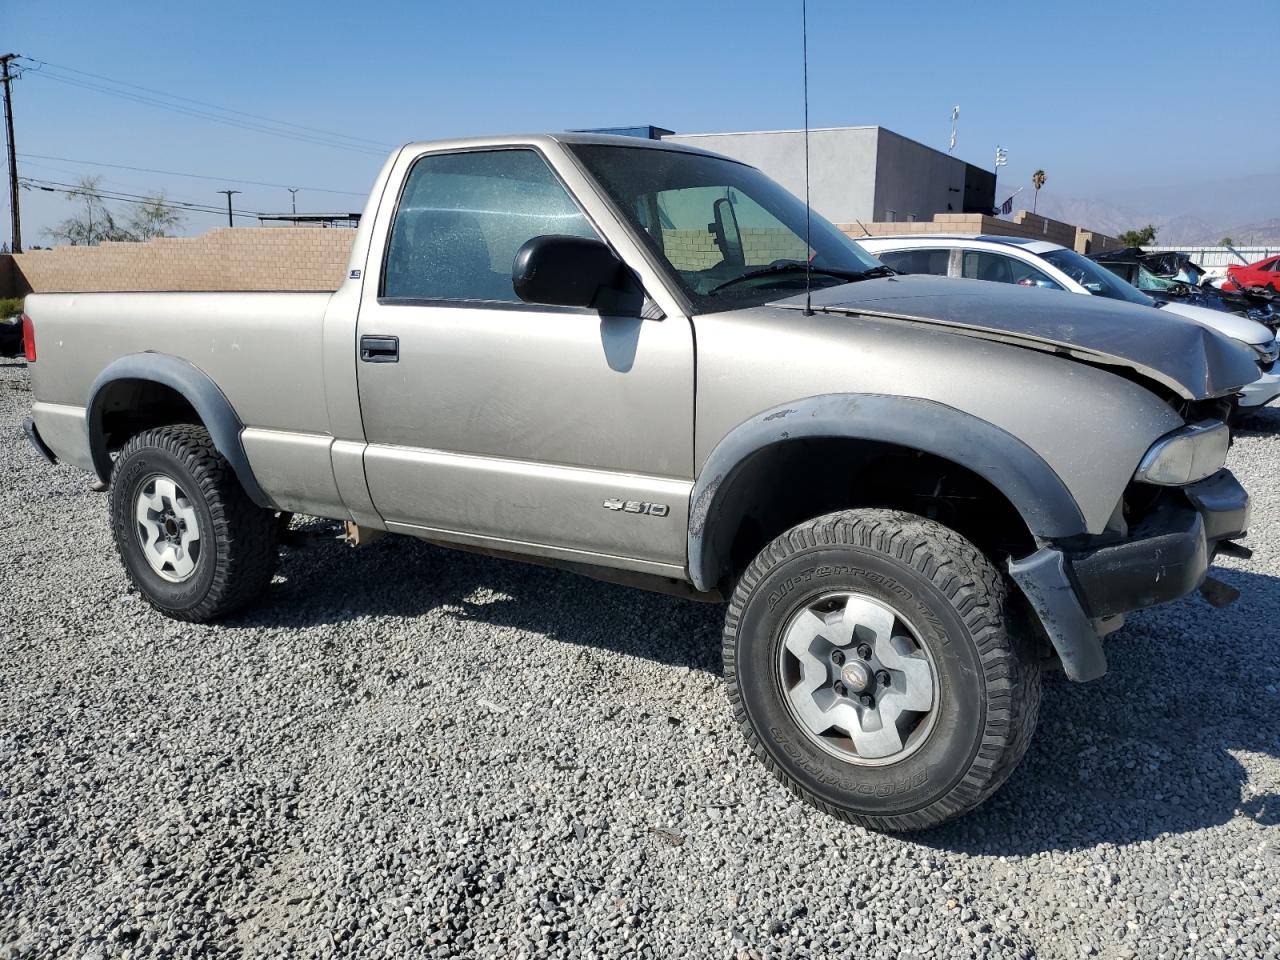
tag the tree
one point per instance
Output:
(153, 217)
(1037, 181)
(1139, 238)
(1226, 242)
(94, 222)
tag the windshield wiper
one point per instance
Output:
(795, 265)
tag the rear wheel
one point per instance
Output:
(876, 669)
(193, 543)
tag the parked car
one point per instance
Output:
(597, 352)
(1264, 274)
(1050, 266)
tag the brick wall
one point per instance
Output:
(241, 258)
(697, 250)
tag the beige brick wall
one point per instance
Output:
(1023, 224)
(240, 258)
(696, 249)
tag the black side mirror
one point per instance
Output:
(569, 272)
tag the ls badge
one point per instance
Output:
(637, 506)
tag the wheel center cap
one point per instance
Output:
(856, 676)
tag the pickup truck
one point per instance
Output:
(652, 364)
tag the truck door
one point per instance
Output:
(545, 430)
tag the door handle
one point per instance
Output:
(380, 349)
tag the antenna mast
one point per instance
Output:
(808, 250)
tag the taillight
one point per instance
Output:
(28, 339)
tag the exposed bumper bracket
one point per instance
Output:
(42, 448)
(1044, 580)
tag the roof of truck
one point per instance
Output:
(536, 139)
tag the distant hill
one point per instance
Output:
(1192, 215)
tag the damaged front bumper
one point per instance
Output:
(1165, 556)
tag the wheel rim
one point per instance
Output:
(857, 679)
(168, 528)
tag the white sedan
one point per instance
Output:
(1050, 266)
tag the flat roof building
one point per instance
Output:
(859, 173)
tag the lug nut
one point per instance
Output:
(882, 677)
(837, 657)
(867, 700)
(839, 689)
(864, 651)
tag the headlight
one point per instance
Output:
(1267, 352)
(1186, 455)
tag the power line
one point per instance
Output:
(205, 115)
(193, 176)
(56, 186)
(205, 103)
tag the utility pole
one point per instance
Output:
(230, 222)
(13, 156)
(293, 198)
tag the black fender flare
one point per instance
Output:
(1018, 472)
(214, 409)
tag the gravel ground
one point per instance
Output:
(410, 752)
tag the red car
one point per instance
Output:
(1264, 273)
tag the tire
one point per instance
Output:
(220, 551)
(949, 609)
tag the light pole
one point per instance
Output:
(293, 198)
(230, 221)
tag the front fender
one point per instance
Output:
(212, 406)
(1018, 472)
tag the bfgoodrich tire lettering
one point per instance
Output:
(237, 550)
(987, 677)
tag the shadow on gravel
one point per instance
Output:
(1260, 422)
(1147, 750)
(326, 582)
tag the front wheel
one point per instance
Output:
(875, 667)
(193, 543)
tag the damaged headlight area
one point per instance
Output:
(1267, 353)
(1186, 455)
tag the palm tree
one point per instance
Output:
(1037, 181)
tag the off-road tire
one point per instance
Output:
(239, 545)
(985, 662)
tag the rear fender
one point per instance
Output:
(211, 405)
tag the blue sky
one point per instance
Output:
(1105, 97)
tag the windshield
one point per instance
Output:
(1096, 279)
(730, 235)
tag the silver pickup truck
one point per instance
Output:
(914, 493)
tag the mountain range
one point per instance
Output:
(1246, 209)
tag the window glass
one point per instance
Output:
(917, 261)
(984, 265)
(729, 235)
(1095, 279)
(462, 218)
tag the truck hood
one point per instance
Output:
(1192, 360)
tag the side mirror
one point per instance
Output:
(567, 271)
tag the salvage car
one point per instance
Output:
(1172, 276)
(648, 363)
(11, 335)
(1050, 266)
(1264, 274)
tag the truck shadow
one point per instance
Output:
(1259, 422)
(1150, 749)
(1153, 747)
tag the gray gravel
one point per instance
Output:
(410, 752)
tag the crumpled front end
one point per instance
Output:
(1182, 508)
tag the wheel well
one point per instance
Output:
(792, 481)
(127, 407)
